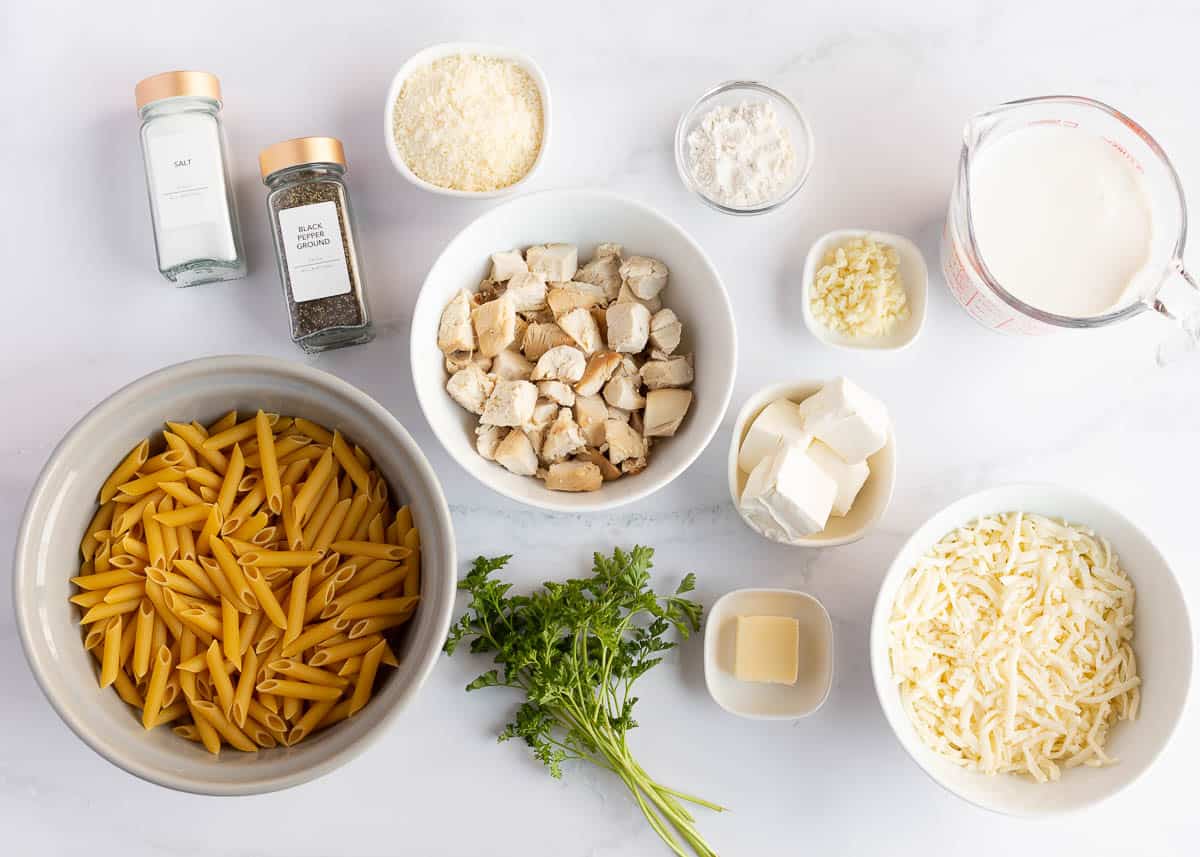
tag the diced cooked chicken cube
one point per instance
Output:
(563, 437)
(516, 454)
(645, 277)
(600, 368)
(487, 438)
(507, 264)
(495, 325)
(629, 366)
(608, 470)
(624, 392)
(574, 476)
(510, 404)
(632, 466)
(628, 327)
(601, 316)
(676, 372)
(544, 413)
(665, 410)
(623, 442)
(568, 296)
(456, 360)
(511, 366)
(470, 387)
(617, 413)
(540, 337)
(582, 328)
(558, 262)
(556, 391)
(454, 329)
(527, 291)
(603, 271)
(591, 413)
(560, 363)
(626, 295)
(665, 331)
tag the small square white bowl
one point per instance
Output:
(769, 701)
(913, 272)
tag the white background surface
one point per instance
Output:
(887, 91)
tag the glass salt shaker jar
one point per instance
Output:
(196, 235)
(315, 245)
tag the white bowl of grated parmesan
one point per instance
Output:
(1009, 657)
(467, 120)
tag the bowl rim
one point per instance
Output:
(710, 658)
(662, 478)
(903, 244)
(444, 49)
(880, 670)
(23, 599)
(762, 88)
(784, 390)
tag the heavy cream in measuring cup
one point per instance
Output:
(1061, 219)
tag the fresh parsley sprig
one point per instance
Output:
(575, 649)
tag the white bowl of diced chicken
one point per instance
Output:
(811, 463)
(573, 350)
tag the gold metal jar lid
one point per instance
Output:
(171, 84)
(302, 150)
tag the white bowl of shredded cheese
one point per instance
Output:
(1021, 662)
(474, 120)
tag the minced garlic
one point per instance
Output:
(858, 291)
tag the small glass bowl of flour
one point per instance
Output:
(743, 148)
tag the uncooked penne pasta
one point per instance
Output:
(125, 471)
(110, 659)
(243, 431)
(159, 673)
(366, 677)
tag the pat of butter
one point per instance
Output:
(849, 477)
(778, 423)
(788, 496)
(848, 418)
(767, 649)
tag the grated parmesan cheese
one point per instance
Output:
(858, 290)
(1011, 644)
(469, 122)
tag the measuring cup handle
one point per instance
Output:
(1179, 300)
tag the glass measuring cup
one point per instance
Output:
(1163, 284)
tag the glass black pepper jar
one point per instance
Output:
(315, 244)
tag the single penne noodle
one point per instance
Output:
(204, 476)
(203, 686)
(169, 713)
(331, 526)
(291, 524)
(125, 591)
(207, 495)
(95, 635)
(264, 595)
(376, 624)
(194, 663)
(313, 635)
(231, 634)
(197, 513)
(170, 458)
(268, 464)
(221, 682)
(88, 599)
(170, 692)
(358, 594)
(125, 471)
(293, 473)
(127, 690)
(236, 434)
(195, 437)
(292, 708)
(101, 521)
(269, 639)
(178, 444)
(209, 736)
(245, 508)
(248, 632)
(127, 562)
(228, 420)
(110, 659)
(169, 541)
(325, 569)
(135, 547)
(211, 528)
(375, 507)
(319, 600)
(182, 494)
(371, 549)
(266, 537)
(340, 651)
(212, 568)
(380, 607)
(346, 490)
(108, 579)
(350, 666)
(178, 582)
(187, 731)
(239, 546)
(314, 487)
(274, 576)
(358, 508)
(128, 638)
(365, 681)
(311, 719)
(224, 727)
(250, 527)
(201, 621)
(279, 559)
(245, 599)
(107, 611)
(290, 689)
(143, 630)
(261, 714)
(154, 540)
(319, 513)
(149, 482)
(194, 572)
(132, 515)
(412, 582)
(349, 462)
(244, 690)
(316, 431)
(376, 532)
(248, 483)
(364, 459)
(297, 601)
(301, 671)
(159, 673)
(186, 541)
(404, 520)
(260, 735)
(100, 560)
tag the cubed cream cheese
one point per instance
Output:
(848, 418)
(778, 422)
(849, 477)
(767, 649)
(788, 496)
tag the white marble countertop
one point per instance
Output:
(887, 88)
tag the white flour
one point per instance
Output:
(741, 156)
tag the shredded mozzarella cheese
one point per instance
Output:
(1010, 641)
(858, 291)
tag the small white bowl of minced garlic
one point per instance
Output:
(467, 120)
(864, 290)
